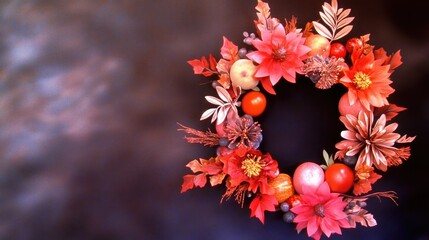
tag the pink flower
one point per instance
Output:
(321, 212)
(279, 54)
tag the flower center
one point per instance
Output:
(252, 165)
(361, 81)
(279, 54)
(319, 210)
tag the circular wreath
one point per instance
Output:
(321, 198)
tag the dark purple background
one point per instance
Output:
(90, 93)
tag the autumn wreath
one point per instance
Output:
(321, 198)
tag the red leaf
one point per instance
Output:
(395, 60)
(202, 66)
(200, 180)
(212, 62)
(390, 111)
(262, 203)
(197, 66)
(229, 50)
(188, 183)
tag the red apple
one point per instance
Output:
(318, 44)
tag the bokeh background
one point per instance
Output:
(91, 93)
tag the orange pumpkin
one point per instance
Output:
(283, 187)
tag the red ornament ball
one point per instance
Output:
(344, 106)
(254, 103)
(338, 50)
(339, 177)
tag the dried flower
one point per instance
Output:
(323, 71)
(374, 143)
(244, 131)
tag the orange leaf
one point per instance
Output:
(217, 179)
(229, 50)
(263, 9)
(195, 166)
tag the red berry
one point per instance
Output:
(337, 50)
(353, 44)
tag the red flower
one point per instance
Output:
(321, 212)
(368, 81)
(279, 54)
(249, 166)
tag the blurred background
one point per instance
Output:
(91, 93)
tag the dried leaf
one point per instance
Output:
(343, 32)
(223, 94)
(214, 100)
(322, 30)
(343, 14)
(327, 19)
(405, 139)
(370, 220)
(208, 113)
(336, 19)
(344, 22)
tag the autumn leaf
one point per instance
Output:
(211, 167)
(336, 19)
(394, 60)
(229, 50)
(263, 11)
(188, 183)
(366, 177)
(390, 111)
(262, 203)
(204, 66)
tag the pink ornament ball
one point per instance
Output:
(308, 176)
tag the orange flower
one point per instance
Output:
(368, 81)
(373, 142)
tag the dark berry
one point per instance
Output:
(288, 217)
(314, 76)
(223, 141)
(284, 206)
(350, 160)
(361, 204)
(242, 53)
